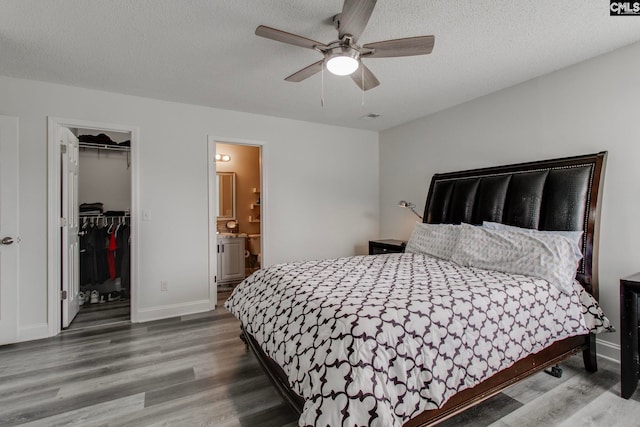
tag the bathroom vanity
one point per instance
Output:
(230, 258)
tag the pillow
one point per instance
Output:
(594, 317)
(548, 256)
(438, 240)
(574, 236)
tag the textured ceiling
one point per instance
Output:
(205, 51)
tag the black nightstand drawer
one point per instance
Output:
(387, 246)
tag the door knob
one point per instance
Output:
(7, 241)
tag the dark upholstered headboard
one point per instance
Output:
(559, 194)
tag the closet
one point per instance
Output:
(104, 203)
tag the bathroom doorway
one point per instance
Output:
(236, 211)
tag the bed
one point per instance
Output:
(403, 339)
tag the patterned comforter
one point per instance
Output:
(375, 340)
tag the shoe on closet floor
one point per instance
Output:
(95, 297)
(81, 298)
(113, 296)
(103, 298)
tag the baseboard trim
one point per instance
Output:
(172, 310)
(608, 350)
(33, 332)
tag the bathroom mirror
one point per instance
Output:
(226, 184)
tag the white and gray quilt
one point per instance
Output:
(375, 340)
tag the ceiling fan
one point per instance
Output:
(344, 56)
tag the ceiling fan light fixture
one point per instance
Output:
(344, 56)
(342, 65)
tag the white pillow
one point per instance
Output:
(548, 256)
(438, 240)
(574, 236)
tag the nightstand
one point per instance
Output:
(629, 330)
(387, 246)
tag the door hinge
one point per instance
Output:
(63, 149)
(215, 279)
(63, 222)
(63, 295)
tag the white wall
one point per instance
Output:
(320, 205)
(589, 107)
(105, 176)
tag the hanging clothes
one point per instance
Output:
(87, 257)
(101, 242)
(125, 270)
(105, 256)
(120, 244)
(111, 252)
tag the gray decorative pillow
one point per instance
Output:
(574, 236)
(438, 240)
(548, 256)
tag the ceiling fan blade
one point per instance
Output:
(363, 73)
(306, 72)
(354, 17)
(410, 46)
(289, 38)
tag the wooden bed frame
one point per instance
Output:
(559, 194)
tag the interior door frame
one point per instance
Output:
(53, 216)
(213, 194)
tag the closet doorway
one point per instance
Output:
(237, 211)
(92, 200)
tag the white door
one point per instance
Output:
(8, 229)
(70, 227)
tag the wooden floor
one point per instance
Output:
(195, 371)
(100, 315)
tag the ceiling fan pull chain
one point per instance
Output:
(363, 83)
(322, 92)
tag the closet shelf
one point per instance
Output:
(104, 146)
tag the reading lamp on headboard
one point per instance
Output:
(410, 206)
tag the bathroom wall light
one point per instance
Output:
(222, 157)
(410, 206)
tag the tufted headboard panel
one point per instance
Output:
(559, 194)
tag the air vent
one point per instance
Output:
(370, 116)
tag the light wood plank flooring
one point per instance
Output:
(195, 371)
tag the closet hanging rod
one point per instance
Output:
(96, 219)
(127, 215)
(104, 146)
